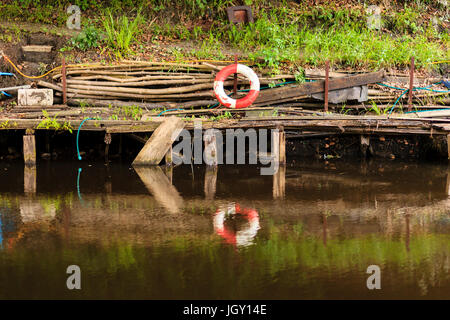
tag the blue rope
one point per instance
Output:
(164, 111)
(398, 99)
(428, 110)
(427, 88)
(78, 135)
(7, 74)
(6, 94)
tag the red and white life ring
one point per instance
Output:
(243, 237)
(230, 102)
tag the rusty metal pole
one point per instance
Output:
(64, 83)
(235, 77)
(411, 84)
(327, 72)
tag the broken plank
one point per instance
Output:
(160, 142)
(318, 86)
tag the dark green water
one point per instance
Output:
(135, 235)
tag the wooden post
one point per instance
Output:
(210, 182)
(411, 84)
(160, 142)
(64, 82)
(235, 77)
(279, 183)
(29, 149)
(29, 179)
(364, 145)
(327, 74)
(282, 148)
(108, 140)
(275, 147)
(210, 152)
(448, 146)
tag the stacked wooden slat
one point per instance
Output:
(189, 85)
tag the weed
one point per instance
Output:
(89, 38)
(121, 32)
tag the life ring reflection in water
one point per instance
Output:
(243, 237)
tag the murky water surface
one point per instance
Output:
(310, 232)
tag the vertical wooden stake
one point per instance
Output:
(448, 146)
(235, 77)
(282, 156)
(108, 140)
(275, 147)
(29, 149)
(64, 82)
(411, 84)
(29, 179)
(210, 152)
(327, 73)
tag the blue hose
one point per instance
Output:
(7, 74)
(78, 135)
(6, 94)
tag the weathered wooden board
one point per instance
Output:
(160, 142)
(29, 150)
(318, 86)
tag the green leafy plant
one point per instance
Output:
(87, 39)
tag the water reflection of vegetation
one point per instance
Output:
(190, 266)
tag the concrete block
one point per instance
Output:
(35, 97)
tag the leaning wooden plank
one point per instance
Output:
(161, 140)
(318, 86)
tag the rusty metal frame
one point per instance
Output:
(232, 16)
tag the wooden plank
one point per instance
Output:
(160, 142)
(319, 86)
(29, 150)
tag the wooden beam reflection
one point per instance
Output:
(160, 187)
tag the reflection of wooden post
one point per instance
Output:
(29, 149)
(168, 170)
(279, 183)
(29, 179)
(407, 232)
(324, 228)
(164, 192)
(210, 182)
(447, 187)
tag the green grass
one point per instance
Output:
(284, 32)
(121, 32)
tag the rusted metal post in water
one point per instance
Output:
(64, 82)
(411, 84)
(327, 73)
(235, 77)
